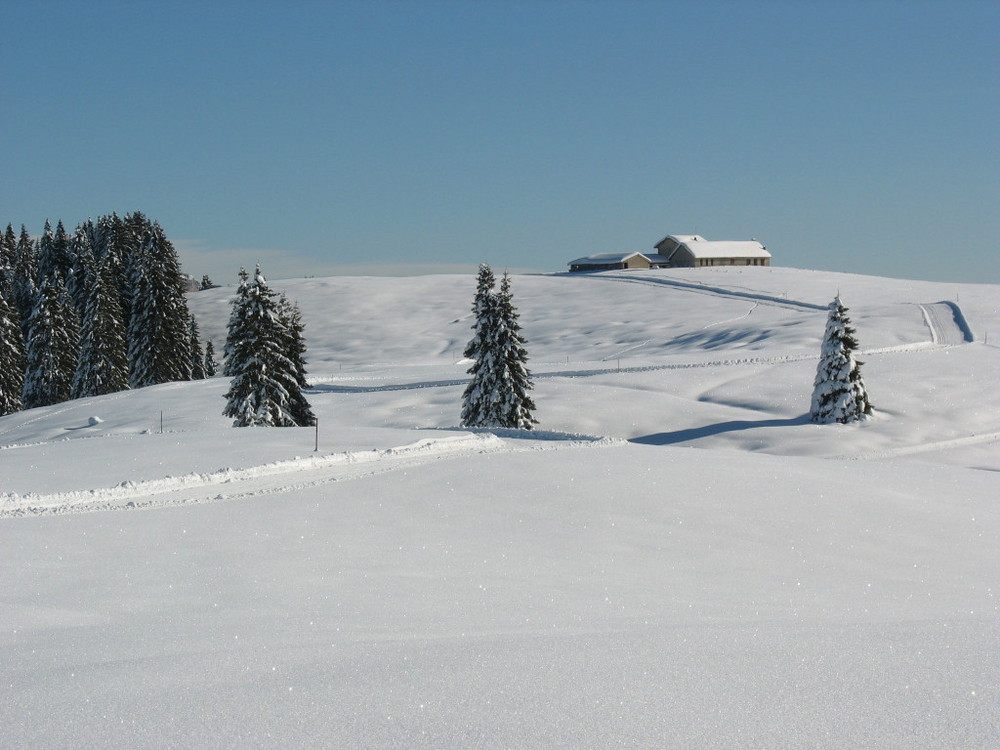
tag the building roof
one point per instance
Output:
(702, 248)
(601, 259)
(681, 238)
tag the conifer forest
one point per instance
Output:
(92, 311)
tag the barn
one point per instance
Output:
(611, 262)
(694, 251)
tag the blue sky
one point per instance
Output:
(332, 137)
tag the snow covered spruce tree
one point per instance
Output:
(497, 396)
(295, 348)
(24, 280)
(113, 245)
(839, 393)
(158, 336)
(8, 247)
(81, 275)
(11, 357)
(475, 402)
(197, 355)
(211, 366)
(515, 405)
(102, 366)
(54, 256)
(51, 348)
(264, 390)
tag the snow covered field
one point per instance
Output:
(676, 558)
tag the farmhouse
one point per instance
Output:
(680, 251)
(694, 251)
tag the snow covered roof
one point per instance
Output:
(702, 248)
(682, 238)
(601, 259)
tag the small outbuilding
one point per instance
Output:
(610, 262)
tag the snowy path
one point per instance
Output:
(236, 484)
(946, 323)
(283, 476)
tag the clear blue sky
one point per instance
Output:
(324, 137)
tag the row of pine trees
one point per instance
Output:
(95, 311)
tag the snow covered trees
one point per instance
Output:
(102, 366)
(158, 334)
(210, 366)
(197, 354)
(91, 304)
(497, 396)
(51, 348)
(266, 387)
(839, 392)
(11, 357)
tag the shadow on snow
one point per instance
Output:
(697, 433)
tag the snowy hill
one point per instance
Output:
(675, 559)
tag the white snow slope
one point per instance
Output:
(675, 559)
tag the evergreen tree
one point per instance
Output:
(476, 405)
(54, 256)
(102, 366)
(238, 329)
(158, 335)
(11, 358)
(24, 283)
(497, 395)
(80, 276)
(514, 406)
(52, 347)
(206, 283)
(197, 355)
(839, 393)
(211, 365)
(8, 249)
(264, 389)
(112, 249)
(295, 348)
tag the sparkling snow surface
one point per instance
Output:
(676, 558)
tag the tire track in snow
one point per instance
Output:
(281, 477)
(226, 484)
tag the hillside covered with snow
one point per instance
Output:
(675, 558)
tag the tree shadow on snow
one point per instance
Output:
(697, 433)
